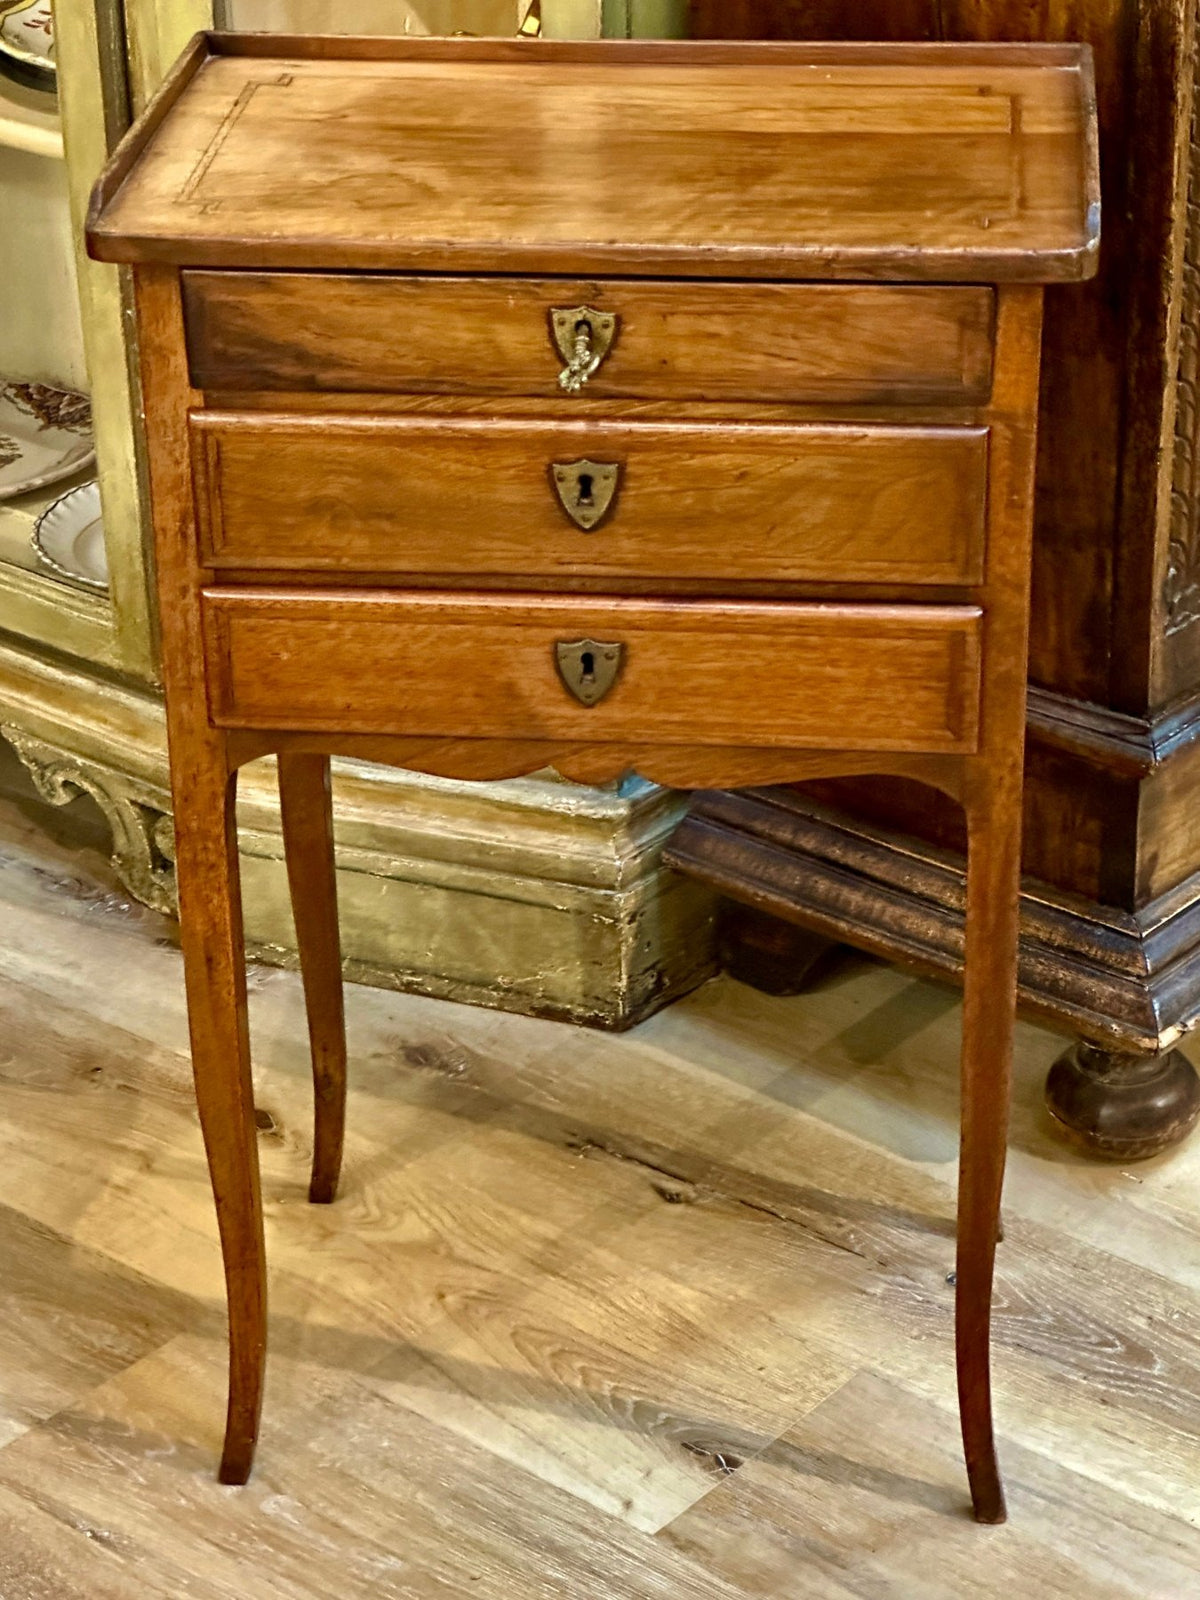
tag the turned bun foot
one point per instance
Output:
(770, 955)
(1122, 1107)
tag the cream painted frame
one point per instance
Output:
(114, 632)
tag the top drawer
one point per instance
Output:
(669, 341)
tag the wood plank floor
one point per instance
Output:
(662, 1315)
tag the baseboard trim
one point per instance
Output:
(1131, 746)
(1129, 982)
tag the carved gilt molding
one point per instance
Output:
(143, 853)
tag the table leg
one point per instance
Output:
(307, 816)
(215, 970)
(989, 1014)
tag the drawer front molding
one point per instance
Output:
(486, 666)
(732, 502)
(669, 341)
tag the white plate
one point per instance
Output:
(27, 42)
(69, 538)
(45, 435)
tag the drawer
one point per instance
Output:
(672, 341)
(426, 495)
(674, 672)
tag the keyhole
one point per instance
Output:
(584, 496)
(583, 328)
(587, 662)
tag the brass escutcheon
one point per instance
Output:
(585, 489)
(588, 667)
(583, 337)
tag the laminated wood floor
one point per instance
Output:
(664, 1315)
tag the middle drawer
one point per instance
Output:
(428, 495)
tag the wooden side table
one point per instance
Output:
(479, 466)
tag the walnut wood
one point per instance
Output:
(652, 52)
(1126, 785)
(989, 998)
(673, 766)
(732, 341)
(713, 691)
(933, 594)
(589, 407)
(992, 802)
(986, 173)
(306, 815)
(1111, 813)
(206, 865)
(1125, 982)
(1123, 1107)
(694, 672)
(424, 495)
(129, 147)
(1105, 511)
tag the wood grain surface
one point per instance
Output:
(306, 820)
(685, 1273)
(671, 765)
(204, 799)
(772, 164)
(456, 667)
(951, 165)
(1112, 636)
(483, 666)
(423, 495)
(776, 342)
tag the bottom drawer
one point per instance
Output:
(457, 665)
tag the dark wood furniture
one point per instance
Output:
(1110, 942)
(477, 466)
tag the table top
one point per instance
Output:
(953, 162)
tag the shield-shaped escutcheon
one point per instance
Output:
(583, 337)
(586, 489)
(588, 667)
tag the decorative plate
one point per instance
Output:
(45, 435)
(69, 538)
(27, 42)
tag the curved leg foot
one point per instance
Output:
(215, 970)
(307, 817)
(1121, 1107)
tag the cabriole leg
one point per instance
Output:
(307, 816)
(989, 1013)
(215, 969)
